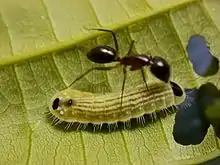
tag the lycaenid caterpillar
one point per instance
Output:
(73, 106)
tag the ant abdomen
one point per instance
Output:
(102, 54)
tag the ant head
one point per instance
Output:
(160, 68)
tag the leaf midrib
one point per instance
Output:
(17, 58)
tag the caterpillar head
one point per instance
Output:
(62, 101)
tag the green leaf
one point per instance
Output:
(30, 29)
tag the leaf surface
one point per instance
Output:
(42, 50)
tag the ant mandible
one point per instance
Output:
(104, 54)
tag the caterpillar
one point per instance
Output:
(74, 106)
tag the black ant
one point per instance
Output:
(105, 54)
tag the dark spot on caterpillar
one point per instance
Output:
(55, 103)
(69, 102)
(176, 89)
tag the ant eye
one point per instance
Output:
(176, 89)
(160, 68)
(56, 104)
(69, 102)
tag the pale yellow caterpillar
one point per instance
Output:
(73, 106)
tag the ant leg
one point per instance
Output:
(95, 68)
(130, 47)
(125, 71)
(143, 75)
(113, 35)
(123, 85)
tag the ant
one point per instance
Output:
(104, 54)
